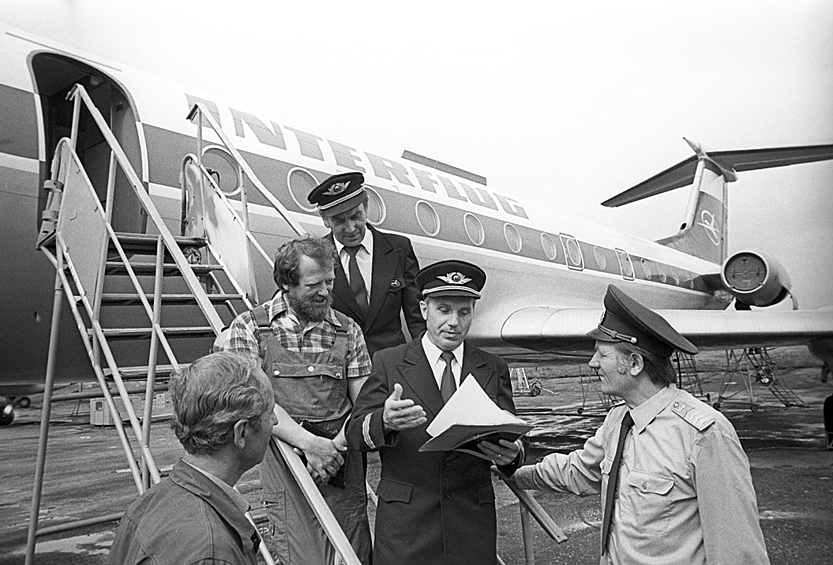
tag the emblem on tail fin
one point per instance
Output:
(708, 222)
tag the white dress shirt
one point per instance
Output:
(433, 353)
(364, 257)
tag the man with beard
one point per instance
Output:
(317, 361)
(675, 480)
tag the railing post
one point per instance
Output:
(46, 412)
(526, 532)
(150, 384)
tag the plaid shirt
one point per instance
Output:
(314, 338)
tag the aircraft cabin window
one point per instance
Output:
(223, 169)
(572, 250)
(427, 217)
(662, 271)
(301, 183)
(601, 260)
(376, 210)
(674, 273)
(474, 229)
(550, 250)
(513, 238)
(646, 268)
(625, 264)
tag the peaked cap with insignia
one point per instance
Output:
(627, 320)
(338, 193)
(451, 278)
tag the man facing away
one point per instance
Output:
(316, 360)
(674, 479)
(375, 271)
(434, 507)
(223, 418)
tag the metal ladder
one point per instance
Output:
(135, 298)
(755, 366)
(184, 291)
(688, 378)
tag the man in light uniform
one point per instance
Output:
(316, 360)
(674, 479)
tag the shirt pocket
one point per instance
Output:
(647, 500)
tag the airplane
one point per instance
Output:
(548, 271)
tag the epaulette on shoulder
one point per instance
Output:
(692, 415)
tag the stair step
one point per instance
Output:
(151, 238)
(185, 331)
(141, 371)
(133, 298)
(146, 242)
(149, 268)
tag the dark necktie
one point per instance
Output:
(447, 384)
(356, 281)
(613, 479)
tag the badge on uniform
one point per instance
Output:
(395, 284)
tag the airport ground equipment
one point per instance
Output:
(146, 303)
(521, 385)
(756, 369)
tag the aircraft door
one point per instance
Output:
(55, 75)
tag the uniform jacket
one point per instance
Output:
(434, 507)
(685, 493)
(186, 519)
(392, 289)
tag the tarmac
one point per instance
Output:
(792, 471)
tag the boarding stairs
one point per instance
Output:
(688, 378)
(145, 304)
(757, 370)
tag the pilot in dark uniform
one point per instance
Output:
(375, 272)
(674, 479)
(434, 507)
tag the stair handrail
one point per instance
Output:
(322, 511)
(191, 158)
(79, 94)
(201, 113)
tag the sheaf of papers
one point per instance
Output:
(470, 406)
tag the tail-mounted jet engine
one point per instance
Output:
(754, 279)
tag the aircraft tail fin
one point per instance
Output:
(703, 231)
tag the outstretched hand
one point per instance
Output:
(401, 414)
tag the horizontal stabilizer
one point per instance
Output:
(682, 174)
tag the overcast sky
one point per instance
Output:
(557, 104)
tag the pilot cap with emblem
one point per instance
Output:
(451, 278)
(627, 320)
(338, 193)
